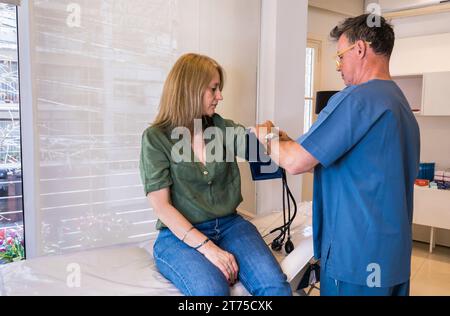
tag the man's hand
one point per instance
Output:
(284, 136)
(268, 127)
(262, 130)
(286, 152)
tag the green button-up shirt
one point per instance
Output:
(199, 192)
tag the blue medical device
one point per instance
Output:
(263, 168)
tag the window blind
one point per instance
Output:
(99, 68)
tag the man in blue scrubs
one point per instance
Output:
(365, 149)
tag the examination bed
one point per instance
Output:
(130, 270)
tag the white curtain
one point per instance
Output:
(98, 70)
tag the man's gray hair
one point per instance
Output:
(381, 36)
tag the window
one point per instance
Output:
(311, 82)
(11, 202)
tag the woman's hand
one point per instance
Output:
(223, 260)
(181, 227)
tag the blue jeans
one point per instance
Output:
(194, 275)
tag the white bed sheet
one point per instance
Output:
(130, 270)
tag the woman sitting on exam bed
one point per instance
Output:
(203, 246)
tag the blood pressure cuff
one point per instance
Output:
(261, 165)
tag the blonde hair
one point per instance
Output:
(182, 97)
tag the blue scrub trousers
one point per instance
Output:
(332, 287)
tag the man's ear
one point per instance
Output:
(361, 48)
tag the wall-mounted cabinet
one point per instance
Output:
(428, 94)
(436, 94)
(412, 87)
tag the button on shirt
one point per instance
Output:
(368, 144)
(200, 192)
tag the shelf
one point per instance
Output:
(430, 189)
(412, 88)
(427, 93)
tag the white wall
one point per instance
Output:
(435, 135)
(417, 52)
(281, 83)
(417, 55)
(320, 23)
(347, 7)
(422, 25)
(229, 32)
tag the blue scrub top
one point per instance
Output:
(367, 141)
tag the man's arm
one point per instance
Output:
(292, 157)
(286, 152)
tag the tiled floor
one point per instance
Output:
(430, 275)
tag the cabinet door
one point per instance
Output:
(436, 94)
(431, 207)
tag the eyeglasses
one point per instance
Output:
(340, 54)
